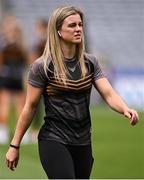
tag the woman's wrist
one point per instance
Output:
(14, 146)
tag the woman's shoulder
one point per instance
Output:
(40, 61)
(90, 57)
(37, 64)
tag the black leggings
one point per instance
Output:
(64, 161)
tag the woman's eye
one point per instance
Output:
(72, 25)
(81, 24)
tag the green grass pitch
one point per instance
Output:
(118, 150)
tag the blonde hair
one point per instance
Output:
(53, 49)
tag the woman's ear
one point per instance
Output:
(59, 33)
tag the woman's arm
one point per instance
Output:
(32, 99)
(114, 100)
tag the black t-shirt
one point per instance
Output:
(67, 118)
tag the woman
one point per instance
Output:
(64, 76)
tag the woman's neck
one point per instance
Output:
(68, 50)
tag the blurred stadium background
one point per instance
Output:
(115, 34)
(114, 31)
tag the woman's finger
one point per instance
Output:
(16, 163)
(11, 165)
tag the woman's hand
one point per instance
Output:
(12, 157)
(132, 115)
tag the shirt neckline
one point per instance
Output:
(70, 59)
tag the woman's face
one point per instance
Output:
(71, 31)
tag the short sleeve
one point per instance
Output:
(96, 68)
(98, 73)
(36, 74)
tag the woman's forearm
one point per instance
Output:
(110, 96)
(117, 103)
(32, 100)
(23, 124)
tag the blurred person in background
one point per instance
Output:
(64, 75)
(13, 59)
(40, 39)
(35, 52)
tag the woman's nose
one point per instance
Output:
(78, 28)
